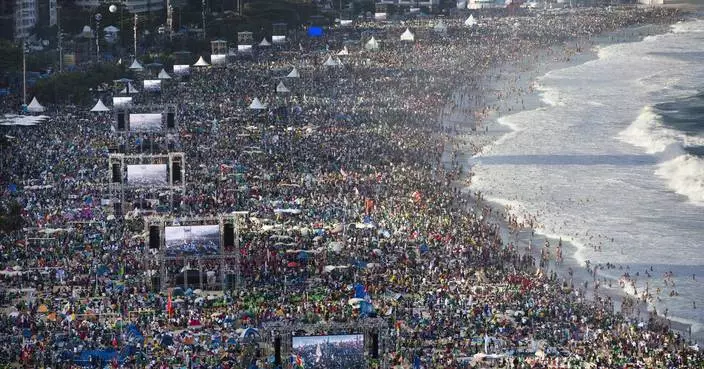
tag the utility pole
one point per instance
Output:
(203, 6)
(98, 17)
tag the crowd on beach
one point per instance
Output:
(354, 213)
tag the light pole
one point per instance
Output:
(135, 36)
(24, 72)
(98, 17)
(59, 39)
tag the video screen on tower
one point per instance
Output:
(121, 101)
(147, 175)
(182, 69)
(338, 351)
(152, 85)
(145, 122)
(192, 240)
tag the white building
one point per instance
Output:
(30, 13)
(134, 6)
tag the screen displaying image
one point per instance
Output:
(182, 69)
(330, 352)
(192, 240)
(243, 48)
(147, 175)
(153, 85)
(121, 101)
(278, 39)
(217, 59)
(145, 122)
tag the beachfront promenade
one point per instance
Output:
(354, 154)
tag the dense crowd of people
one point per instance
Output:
(350, 184)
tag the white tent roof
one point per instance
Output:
(99, 106)
(372, 44)
(470, 21)
(201, 63)
(35, 106)
(265, 42)
(344, 51)
(408, 35)
(294, 73)
(256, 104)
(330, 62)
(163, 75)
(440, 26)
(132, 90)
(136, 66)
(282, 88)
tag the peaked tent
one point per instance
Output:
(129, 89)
(35, 106)
(294, 73)
(408, 35)
(281, 88)
(136, 66)
(372, 44)
(99, 106)
(201, 63)
(344, 51)
(338, 62)
(163, 75)
(470, 21)
(330, 62)
(265, 42)
(257, 105)
(440, 26)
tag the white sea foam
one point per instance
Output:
(685, 175)
(567, 163)
(647, 132)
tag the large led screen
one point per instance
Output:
(145, 122)
(147, 175)
(278, 39)
(192, 240)
(339, 351)
(121, 101)
(217, 59)
(243, 48)
(152, 85)
(182, 69)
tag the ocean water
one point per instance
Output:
(613, 161)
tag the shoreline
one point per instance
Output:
(572, 270)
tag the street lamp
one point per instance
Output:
(98, 17)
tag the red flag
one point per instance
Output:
(169, 305)
(114, 341)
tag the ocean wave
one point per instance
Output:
(648, 132)
(684, 175)
(549, 96)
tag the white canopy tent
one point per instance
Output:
(330, 62)
(470, 21)
(201, 63)
(163, 74)
(257, 105)
(129, 89)
(281, 88)
(99, 106)
(440, 27)
(408, 35)
(293, 74)
(265, 42)
(136, 66)
(35, 106)
(372, 44)
(344, 51)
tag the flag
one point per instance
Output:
(169, 305)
